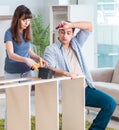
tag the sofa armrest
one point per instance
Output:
(102, 74)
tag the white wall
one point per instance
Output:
(46, 9)
(3, 27)
(34, 5)
(90, 49)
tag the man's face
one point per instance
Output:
(65, 35)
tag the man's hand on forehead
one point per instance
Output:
(63, 25)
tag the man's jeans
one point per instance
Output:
(98, 99)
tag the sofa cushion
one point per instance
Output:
(115, 78)
(110, 88)
(102, 74)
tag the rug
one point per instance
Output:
(88, 125)
(60, 124)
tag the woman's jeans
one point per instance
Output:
(18, 75)
(98, 99)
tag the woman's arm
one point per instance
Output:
(15, 57)
(37, 58)
(34, 56)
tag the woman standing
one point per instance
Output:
(19, 56)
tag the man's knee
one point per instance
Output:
(111, 104)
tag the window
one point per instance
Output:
(107, 32)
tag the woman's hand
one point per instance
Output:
(42, 62)
(30, 62)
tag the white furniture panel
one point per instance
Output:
(18, 108)
(73, 107)
(46, 103)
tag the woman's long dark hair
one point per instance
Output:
(21, 11)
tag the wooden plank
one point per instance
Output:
(73, 105)
(14, 80)
(27, 81)
(18, 108)
(46, 103)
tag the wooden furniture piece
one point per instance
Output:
(46, 103)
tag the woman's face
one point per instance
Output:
(24, 23)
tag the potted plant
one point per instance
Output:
(40, 34)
